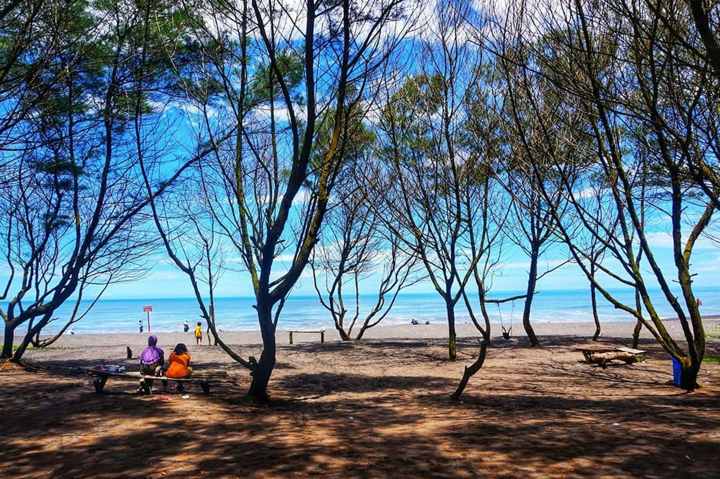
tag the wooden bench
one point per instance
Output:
(603, 355)
(101, 377)
(321, 332)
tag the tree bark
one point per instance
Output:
(596, 317)
(452, 336)
(530, 293)
(262, 372)
(689, 376)
(9, 336)
(704, 28)
(18, 353)
(471, 370)
(343, 334)
(638, 324)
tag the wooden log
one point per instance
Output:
(604, 358)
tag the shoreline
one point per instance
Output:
(436, 330)
(495, 325)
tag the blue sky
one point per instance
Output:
(165, 281)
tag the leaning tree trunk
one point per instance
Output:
(262, 372)
(638, 324)
(360, 333)
(452, 336)
(530, 293)
(28, 339)
(22, 347)
(593, 300)
(471, 370)
(342, 333)
(8, 339)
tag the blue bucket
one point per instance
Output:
(677, 372)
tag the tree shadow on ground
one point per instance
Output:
(550, 419)
(86, 435)
(328, 383)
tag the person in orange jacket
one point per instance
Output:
(179, 363)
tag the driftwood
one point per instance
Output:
(604, 355)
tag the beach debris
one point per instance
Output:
(603, 355)
(414, 322)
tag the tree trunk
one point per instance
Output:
(596, 317)
(452, 337)
(471, 370)
(689, 376)
(9, 336)
(636, 334)
(360, 334)
(263, 371)
(343, 334)
(530, 293)
(18, 354)
(638, 324)
(593, 300)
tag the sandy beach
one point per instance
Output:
(373, 408)
(435, 330)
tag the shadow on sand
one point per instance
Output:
(357, 425)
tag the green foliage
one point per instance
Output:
(359, 138)
(419, 98)
(292, 70)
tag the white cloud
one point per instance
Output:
(664, 240)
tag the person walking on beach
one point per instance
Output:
(198, 333)
(140, 326)
(186, 326)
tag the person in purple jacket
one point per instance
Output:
(152, 358)
(152, 361)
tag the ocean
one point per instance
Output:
(123, 315)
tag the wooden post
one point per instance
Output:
(291, 337)
(322, 336)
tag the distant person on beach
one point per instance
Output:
(186, 327)
(198, 333)
(152, 358)
(179, 363)
(140, 325)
